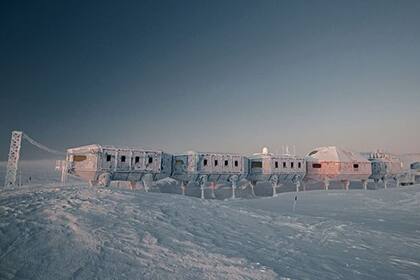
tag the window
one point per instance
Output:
(216, 162)
(312, 153)
(299, 164)
(292, 164)
(284, 164)
(179, 162)
(108, 157)
(122, 158)
(79, 158)
(355, 166)
(205, 162)
(316, 165)
(137, 159)
(150, 159)
(236, 163)
(256, 164)
(226, 163)
(276, 164)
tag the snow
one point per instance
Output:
(334, 154)
(80, 232)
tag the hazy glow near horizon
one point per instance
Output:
(228, 76)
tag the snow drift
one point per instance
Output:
(93, 233)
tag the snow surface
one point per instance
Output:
(48, 231)
(95, 233)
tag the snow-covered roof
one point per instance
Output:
(86, 147)
(207, 153)
(274, 156)
(96, 147)
(335, 154)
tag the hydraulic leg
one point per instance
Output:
(147, 182)
(132, 185)
(234, 181)
(212, 188)
(203, 182)
(346, 184)
(184, 187)
(274, 184)
(364, 183)
(326, 184)
(297, 185)
(252, 185)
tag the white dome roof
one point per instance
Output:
(334, 154)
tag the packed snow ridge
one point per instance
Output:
(80, 232)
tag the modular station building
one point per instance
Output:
(326, 164)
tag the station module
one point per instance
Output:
(326, 164)
(385, 167)
(102, 164)
(205, 167)
(276, 169)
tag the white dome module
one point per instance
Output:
(327, 164)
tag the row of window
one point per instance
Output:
(258, 164)
(216, 162)
(254, 164)
(318, 165)
(136, 159)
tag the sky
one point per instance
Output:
(221, 76)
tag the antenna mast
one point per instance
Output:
(14, 155)
(13, 161)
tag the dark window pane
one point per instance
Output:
(79, 158)
(276, 164)
(355, 165)
(316, 165)
(299, 164)
(205, 162)
(216, 162)
(108, 157)
(256, 164)
(312, 153)
(236, 163)
(150, 159)
(226, 163)
(122, 158)
(291, 164)
(284, 164)
(136, 159)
